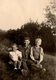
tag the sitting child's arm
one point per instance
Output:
(41, 56)
(19, 55)
(10, 55)
(31, 55)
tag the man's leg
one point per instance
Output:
(24, 68)
(25, 65)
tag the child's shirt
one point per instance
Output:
(36, 52)
(14, 55)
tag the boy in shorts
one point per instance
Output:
(37, 53)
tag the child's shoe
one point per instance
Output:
(15, 68)
(44, 69)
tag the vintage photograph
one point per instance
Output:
(27, 39)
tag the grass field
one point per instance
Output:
(6, 73)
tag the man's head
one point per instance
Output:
(27, 41)
(38, 41)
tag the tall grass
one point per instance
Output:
(7, 72)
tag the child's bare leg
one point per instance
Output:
(19, 64)
(15, 65)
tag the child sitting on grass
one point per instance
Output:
(16, 57)
(37, 54)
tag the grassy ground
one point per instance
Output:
(6, 73)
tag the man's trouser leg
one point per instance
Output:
(24, 64)
(24, 68)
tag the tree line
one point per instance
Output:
(33, 30)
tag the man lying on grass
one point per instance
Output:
(37, 54)
(16, 57)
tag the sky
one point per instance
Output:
(14, 13)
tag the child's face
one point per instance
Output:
(27, 42)
(14, 47)
(38, 41)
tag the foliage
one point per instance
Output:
(47, 37)
(31, 30)
(51, 15)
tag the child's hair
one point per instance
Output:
(14, 44)
(37, 39)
